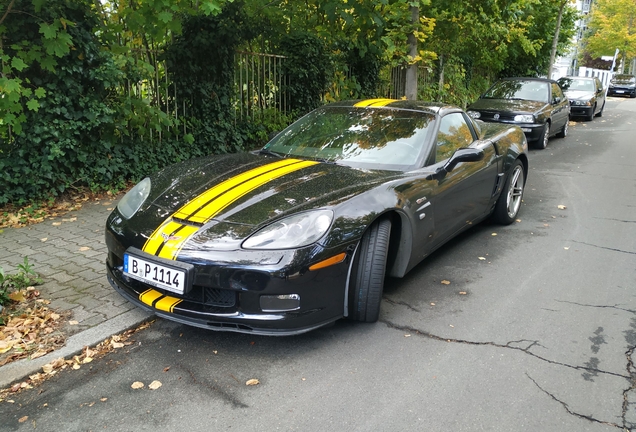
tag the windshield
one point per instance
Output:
(576, 84)
(358, 137)
(519, 89)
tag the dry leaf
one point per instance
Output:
(252, 382)
(87, 360)
(445, 282)
(166, 369)
(84, 248)
(407, 335)
(56, 223)
(103, 399)
(561, 207)
(76, 366)
(462, 293)
(117, 345)
(73, 322)
(17, 296)
(432, 304)
(154, 385)
(23, 419)
(494, 234)
(44, 239)
(47, 368)
(566, 248)
(517, 220)
(137, 385)
(482, 258)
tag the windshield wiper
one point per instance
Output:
(270, 153)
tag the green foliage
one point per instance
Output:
(306, 69)
(612, 25)
(24, 278)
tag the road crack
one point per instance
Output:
(605, 247)
(574, 413)
(509, 345)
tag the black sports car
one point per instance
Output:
(536, 105)
(586, 95)
(623, 85)
(304, 231)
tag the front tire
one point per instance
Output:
(545, 136)
(564, 132)
(600, 113)
(591, 116)
(509, 202)
(367, 276)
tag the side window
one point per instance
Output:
(454, 133)
(556, 93)
(599, 85)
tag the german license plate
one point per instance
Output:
(620, 91)
(155, 274)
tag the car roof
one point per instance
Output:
(578, 77)
(423, 106)
(547, 80)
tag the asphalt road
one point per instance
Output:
(538, 336)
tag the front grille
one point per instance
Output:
(211, 296)
(219, 297)
(490, 116)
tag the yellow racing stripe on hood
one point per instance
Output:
(170, 237)
(374, 103)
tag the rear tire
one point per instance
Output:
(509, 202)
(367, 276)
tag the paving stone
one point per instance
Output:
(92, 304)
(62, 277)
(89, 275)
(63, 305)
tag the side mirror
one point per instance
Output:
(461, 155)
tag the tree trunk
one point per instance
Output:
(555, 41)
(411, 72)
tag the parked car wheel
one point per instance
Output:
(543, 141)
(509, 202)
(600, 113)
(564, 132)
(368, 273)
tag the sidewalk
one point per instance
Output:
(69, 253)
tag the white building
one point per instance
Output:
(568, 64)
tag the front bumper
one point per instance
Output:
(532, 131)
(621, 91)
(227, 292)
(581, 110)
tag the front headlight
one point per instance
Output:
(292, 232)
(524, 118)
(132, 201)
(582, 103)
(474, 114)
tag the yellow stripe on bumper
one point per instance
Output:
(159, 301)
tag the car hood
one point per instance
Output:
(223, 199)
(579, 94)
(514, 106)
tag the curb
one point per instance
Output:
(20, 369)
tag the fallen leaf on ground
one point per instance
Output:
(44, 239)
(561, 207)
(566, 248)
(462, 293)
(445, 282)
(432, 304)
(73, 322)
(103, 399)
(23, 419)
(154, 385)
(252, 382)
(84, 248)
(56, 223)
(493, 234)
(482, 258)
(117, 345)
(407, 335)
(137, 385)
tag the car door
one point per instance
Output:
(560, 108)
(463, 195)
